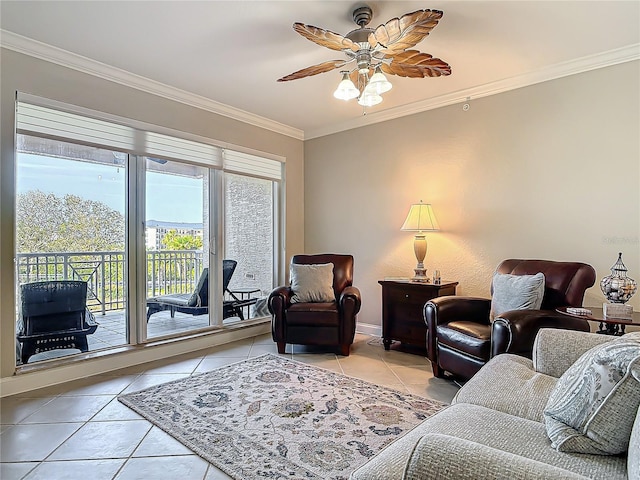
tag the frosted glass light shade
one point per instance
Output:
(369, 98)
(379, 83)
(346, 89)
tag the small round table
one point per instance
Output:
(608, 325)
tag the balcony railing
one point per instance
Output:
(168, 271)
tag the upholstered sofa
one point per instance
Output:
(495, 427)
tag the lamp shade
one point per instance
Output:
(420, 219)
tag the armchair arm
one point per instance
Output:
(277, 303)
(438, 456)
(442, 310)
(279, 300)
(515, 331)
(348, 306)
(350, 301)
(554, 351)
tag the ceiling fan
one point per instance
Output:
(387, 48)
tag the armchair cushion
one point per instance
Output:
(516, 292)
(593, 406)
(312, 283)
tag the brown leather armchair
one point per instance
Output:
(317, 323)
(461, 338)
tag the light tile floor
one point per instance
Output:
(79, 430)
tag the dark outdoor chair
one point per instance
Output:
(197, 302)
(53, 315)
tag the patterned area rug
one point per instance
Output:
(270, 417)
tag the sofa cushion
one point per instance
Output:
(516, 292)
(593, 406)
(435, 454)
(508, 383)
(498, 430)
(312, 283)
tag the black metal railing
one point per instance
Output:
(168, 271)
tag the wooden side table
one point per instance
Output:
(402, 304)
(608, 326)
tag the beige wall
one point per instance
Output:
(550, 171)
(30, 75)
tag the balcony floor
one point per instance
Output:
(112, 329)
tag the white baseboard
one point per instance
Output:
(368, 329)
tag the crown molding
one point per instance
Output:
(559, 70)
(62, 57)
(52, 54)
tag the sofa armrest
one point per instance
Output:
(279, 300)
(554, 351)
(515, 331)
(438, 456)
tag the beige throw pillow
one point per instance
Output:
(593, 406)
(312, 283)
(516, 292)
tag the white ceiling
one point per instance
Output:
(233, 52)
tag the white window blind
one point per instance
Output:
(47, 122)
(39, 120)
(159, 145)
(252, 165)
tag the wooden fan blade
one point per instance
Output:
(415, 64)
(399, 34)
(314, 70)
(325, 38)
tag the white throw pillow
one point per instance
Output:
(312, 283)
(516, 292)
(593, 406)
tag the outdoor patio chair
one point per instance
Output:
(197, 302)
(53, 315)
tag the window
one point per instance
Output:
(70, 225)
(135, 214)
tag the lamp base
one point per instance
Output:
(420, 275)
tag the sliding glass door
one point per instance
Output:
(70, 226)
(250, 240)
(177, 247)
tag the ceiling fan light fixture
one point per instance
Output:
(390, 45)
(346, 89)
(379, 83)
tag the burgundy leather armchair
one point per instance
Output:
(330, 324)
(461, 338)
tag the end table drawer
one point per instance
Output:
(406, 297)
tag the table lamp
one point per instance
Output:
(420, 219)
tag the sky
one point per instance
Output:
(170, 198)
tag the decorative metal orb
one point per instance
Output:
(617, 287)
